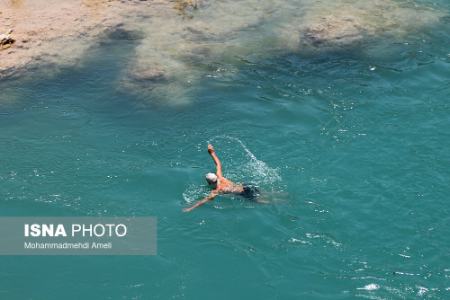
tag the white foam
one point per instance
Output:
(370, 287)
(254, 170)
(422, 291)
(193, 193)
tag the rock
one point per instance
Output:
(147, 74)
(332, 30)
(6, 39)
(185, 7)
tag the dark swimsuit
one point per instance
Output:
(250, 192)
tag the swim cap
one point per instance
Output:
(211, 178)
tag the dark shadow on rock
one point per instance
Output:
(119, 33)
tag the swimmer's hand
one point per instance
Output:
(188, 209)
(210, 148)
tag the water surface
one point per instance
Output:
(350, 148)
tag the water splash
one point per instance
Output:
(252, 169)
(194, 192)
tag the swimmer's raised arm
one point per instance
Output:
(210, 197)
(216, 160)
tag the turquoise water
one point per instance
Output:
(351, 150)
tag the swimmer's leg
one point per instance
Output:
(260, 200)
(271, 197)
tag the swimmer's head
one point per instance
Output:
(211, 178)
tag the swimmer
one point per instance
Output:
(222, 185)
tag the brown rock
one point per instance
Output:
(6, 40)
(332, 30)
(147, 74)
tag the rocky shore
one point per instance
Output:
(174, 38)
(55, 31)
